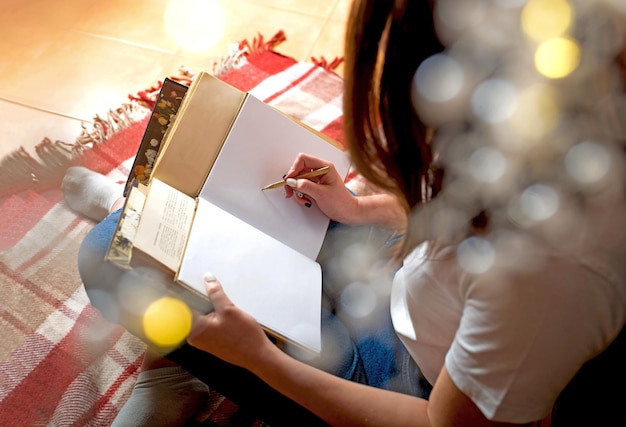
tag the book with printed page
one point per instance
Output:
(203, 210)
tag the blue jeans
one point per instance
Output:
(365, 351)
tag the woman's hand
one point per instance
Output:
(333, 198)
(228, 332)
(328, 191)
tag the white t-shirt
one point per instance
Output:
(513, 337)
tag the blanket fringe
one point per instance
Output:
(22, 170)
(259, 45)
(104, 128)
(236, 58)
(328, 66)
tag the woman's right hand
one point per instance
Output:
(328, 191)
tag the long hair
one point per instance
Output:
(386, 42)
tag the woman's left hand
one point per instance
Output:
(228, 332)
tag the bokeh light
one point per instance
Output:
(526, 100)
(167, 322)
(587, 162)
(195, 25)
(476, 255)
(358, 300)
(537, 114)
(558, 57)
(545, 19)
(487, 165)
(539, 202)
(439, 78)
(494, 100)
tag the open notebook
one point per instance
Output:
(260, 245)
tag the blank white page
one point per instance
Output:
(259, 150)
(278, 286)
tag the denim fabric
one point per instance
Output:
(366, 352)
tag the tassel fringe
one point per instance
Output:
(20, 170)
(259, 44)
(328, 66)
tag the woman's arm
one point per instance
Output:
(344, 403)
(338, 401)
(384, 210)
(236, 337)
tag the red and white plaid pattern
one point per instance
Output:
(61, 364)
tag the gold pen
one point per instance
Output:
(316, 172)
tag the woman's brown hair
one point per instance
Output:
(386, 42)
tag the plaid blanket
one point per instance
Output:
(61, 364)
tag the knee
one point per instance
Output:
(92, 252)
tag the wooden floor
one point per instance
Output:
(63, 61)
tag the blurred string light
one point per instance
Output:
(557, 57)
(549, 22)
(588, 162)
(494, 100)
(167, 322)
(358, 299)
(537, 113)
(537, 85)
(546, 19)
(440, 78)
(487, 164)
(539, 202)
(476, 255)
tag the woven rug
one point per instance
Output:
(61, 364)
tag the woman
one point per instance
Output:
(511, 281)
(498, 345)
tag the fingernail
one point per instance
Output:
(291, 182)
(209, 277)
(284, 176)
(308, 205)
(299, 194)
